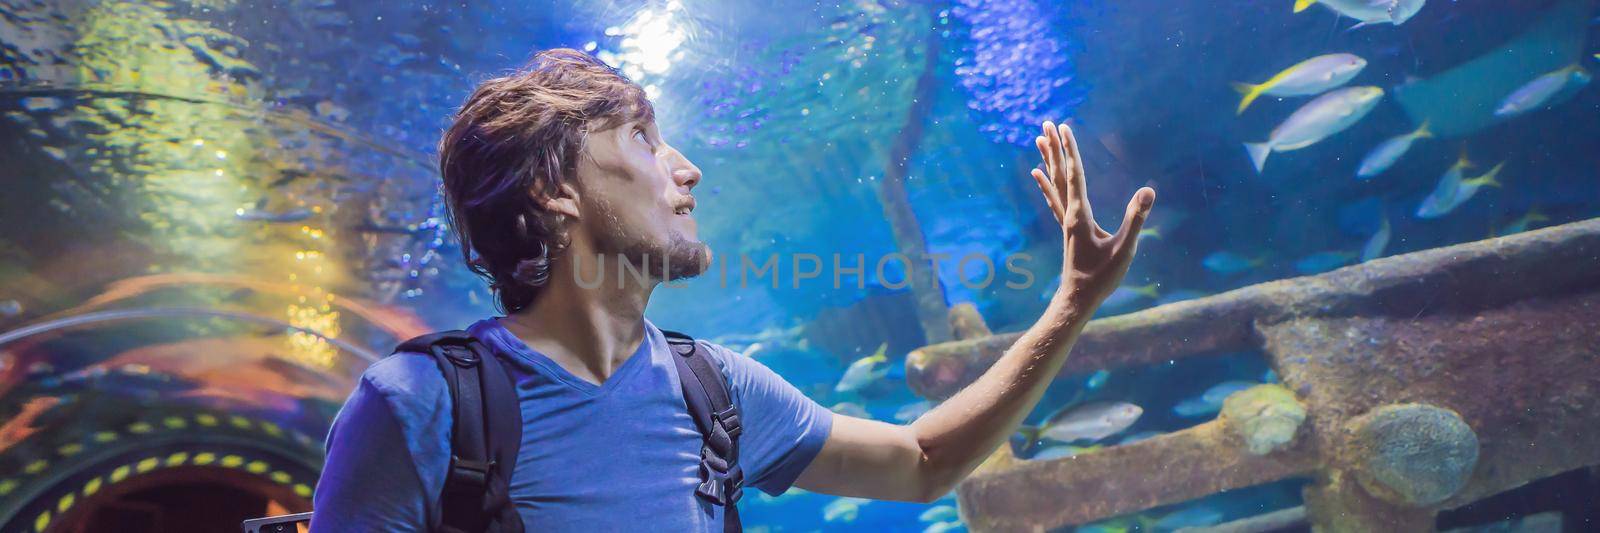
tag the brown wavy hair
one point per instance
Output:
(515, 141)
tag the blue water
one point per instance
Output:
(793, 110)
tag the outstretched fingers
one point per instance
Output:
(1051, 157)
(1050, 196)
(1077, 195)
(1133, 220)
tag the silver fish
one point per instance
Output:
(843, 509)
(1211, 400)
(939, 513)
(1376, 244)
(1086, 422)
(864, 371)
(911, 411)
(1312, 76)
(1369, 12)
(1522, 223)
(1536, 93)
(1453, 190)
(850, 409)
(1326, 115)
(1444, 192)
(1389, 151)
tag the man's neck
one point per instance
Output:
(588, 331)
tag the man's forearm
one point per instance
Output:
(960, 433)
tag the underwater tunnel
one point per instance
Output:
(216, 214)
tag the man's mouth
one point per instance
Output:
(685, 207)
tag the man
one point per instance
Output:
(551, 174)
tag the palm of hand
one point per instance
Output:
(1095, 260)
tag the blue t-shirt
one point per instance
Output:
(616, 456)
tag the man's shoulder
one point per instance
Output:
(717, 353)
(406, 377)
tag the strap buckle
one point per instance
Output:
(461, 356)
(722, 488)
(470, 475)
(729, 419)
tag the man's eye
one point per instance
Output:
(639, 134)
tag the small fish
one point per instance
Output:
(1322, 262)
(1522, 223)
(1312, 76)
(10, 308)
(1389, 151)
(1126, 295)
(942, 527)
(1059, 451)
(41, 103)
(850, 409)
(1324, 116)
(1199, 516)
(1444, 192)
(1230, 263)
(911, 411)
(1380, 240)
(1210, 401)
(1180, 295)
(1150, 233)
(1369, 12)
(940, 513)
(258, 215)
(1097, 380)
(1084, 422)
(1536, 93)
(843, 509)
(1112, 525)
(788, 494)
(1437, 205)
(55, 153)
(329, 110)
(864, 371)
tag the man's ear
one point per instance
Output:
(563, 200)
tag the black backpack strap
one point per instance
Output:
(485, 435)
(710, 404)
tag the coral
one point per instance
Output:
(1264, 417)
(1413, 454)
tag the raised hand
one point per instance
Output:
(1095, 261)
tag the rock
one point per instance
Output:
(966, 323)
(1265, 417)
(1413, 454)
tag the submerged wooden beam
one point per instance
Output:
(1427, 381)
(1167, 469)
(1475, 275)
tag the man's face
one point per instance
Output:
(635, 200)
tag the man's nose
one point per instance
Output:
(685, 173)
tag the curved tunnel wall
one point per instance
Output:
(200, 282)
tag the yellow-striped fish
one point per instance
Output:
(1312, 76)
